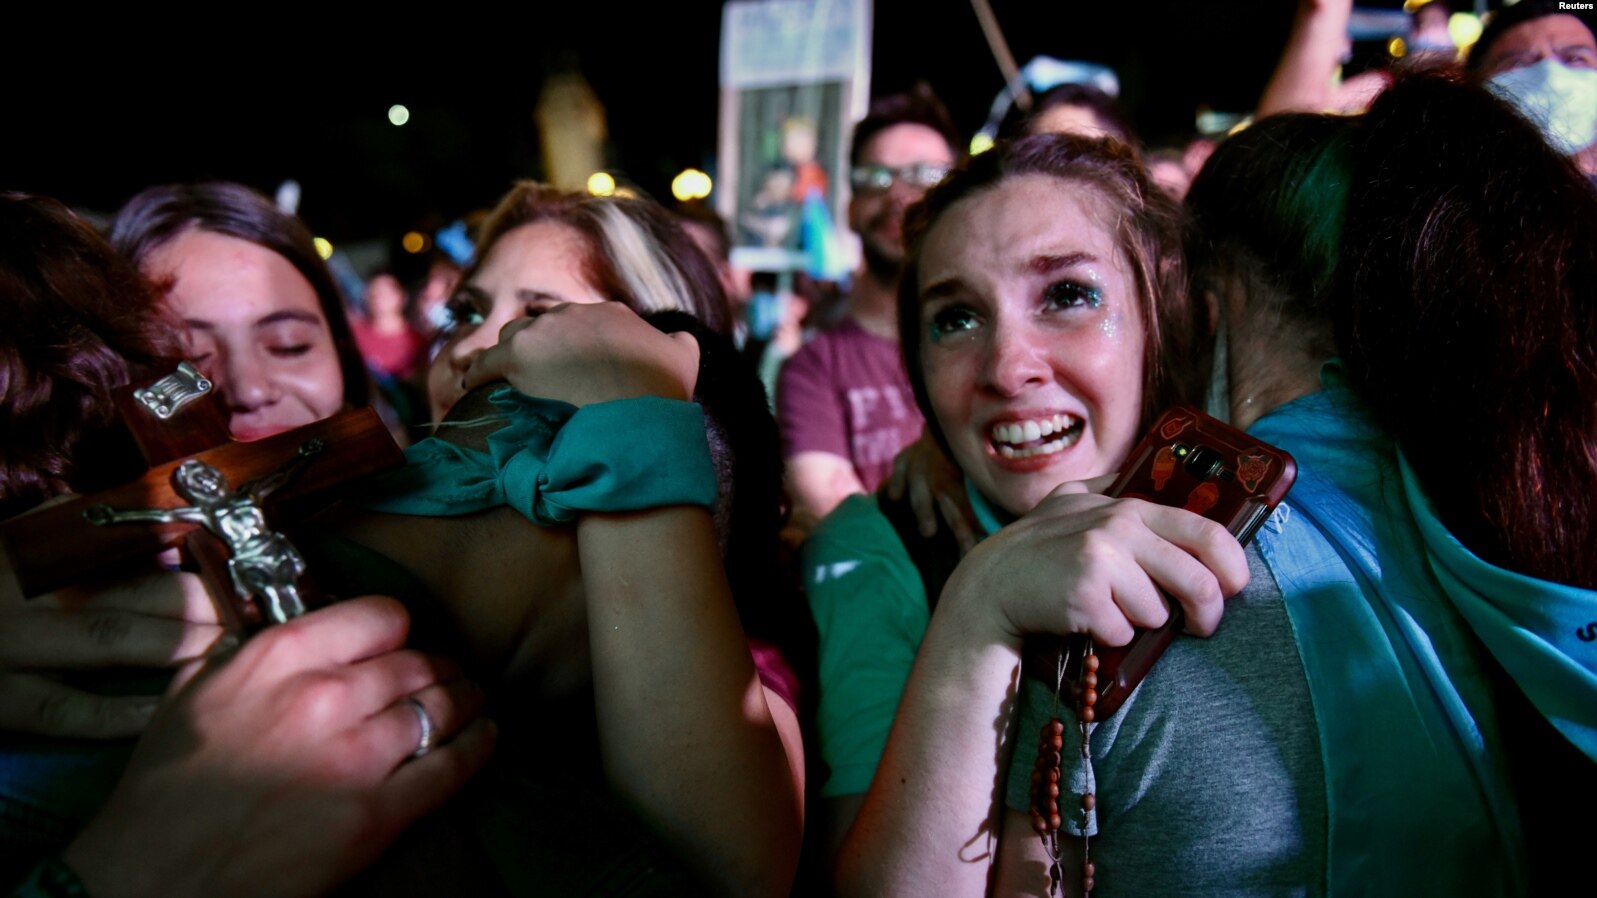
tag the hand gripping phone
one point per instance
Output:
(1187, 460)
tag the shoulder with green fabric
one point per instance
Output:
(870, 613)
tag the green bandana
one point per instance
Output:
(552, 460)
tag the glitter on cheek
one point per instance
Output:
(1109, 324)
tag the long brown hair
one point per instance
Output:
(1470, 321)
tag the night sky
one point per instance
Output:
(93, 117)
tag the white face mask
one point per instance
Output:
(1561, 101)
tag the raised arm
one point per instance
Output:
(689, 736)
(1314, 48)
(104, 514)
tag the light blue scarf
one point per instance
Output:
(1419, 797)
(1544, 634)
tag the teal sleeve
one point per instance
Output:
(870, 609)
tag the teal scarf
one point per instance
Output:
(552, 460)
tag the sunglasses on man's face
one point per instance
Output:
(879, 178)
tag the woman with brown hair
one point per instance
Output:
(76, 323)
(1250, 762)
(1045, 324)
(586, 616)
(312, 721)
(260, 313)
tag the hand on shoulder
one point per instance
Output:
(1081, 562)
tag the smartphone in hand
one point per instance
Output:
(1187, 460)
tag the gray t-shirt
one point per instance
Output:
(1209, 778)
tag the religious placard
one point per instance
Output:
(795, 76)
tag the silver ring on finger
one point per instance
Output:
(424, 743)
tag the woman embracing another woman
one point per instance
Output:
(1045, 322)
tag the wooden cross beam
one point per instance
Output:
(180, 426)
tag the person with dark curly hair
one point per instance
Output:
(76, 322)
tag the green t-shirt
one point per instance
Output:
(871, 612)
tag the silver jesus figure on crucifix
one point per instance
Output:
(264, 565)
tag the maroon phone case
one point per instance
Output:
(1187, 460)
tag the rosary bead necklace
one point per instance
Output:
(1049, 769)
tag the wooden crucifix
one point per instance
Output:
(187, 498)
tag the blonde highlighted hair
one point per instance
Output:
(637, 254)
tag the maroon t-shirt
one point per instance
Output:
(845, 392)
